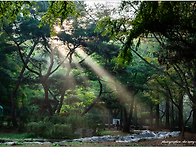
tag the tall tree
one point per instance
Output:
(20, 32)
(173, 28)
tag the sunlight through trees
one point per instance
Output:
(69, 61)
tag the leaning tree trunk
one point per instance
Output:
(14, 121)
(66, 83)
(47, 99)
(96, 100)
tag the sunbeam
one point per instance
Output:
(81, 72)
(111, 82)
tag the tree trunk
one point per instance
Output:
(66, 83)
(151, 117)
(121, 113)
(126, 127)
(14, 121)
(47, 99)
(180, 108)
(103, 118)
(194, 119)
(135, 116)
(108, 119)
(125, 119)
(95, 101)
(157, 116)
(182, 124)
(167, 114)
(172, 115)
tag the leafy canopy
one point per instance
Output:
(172, 23)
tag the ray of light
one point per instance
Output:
(81, 71)
(111, 82)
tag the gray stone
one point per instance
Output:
(46, 140)
(59, 143)
(17, 140)
(111, 140)
(46, 143)
(67, 140)
(38, 140)
(10, 143)
(5, 140)
(28, 140)
(81, 132)
(89, 133)
(77, 140)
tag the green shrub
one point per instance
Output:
(62, 131)
(77, 121)
(56, 119)
(49, 130)
(60, 127)
(23, 121)
(9, 120)
(40, 129)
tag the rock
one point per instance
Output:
(66, 141)
(10, 143)
(28, 140)
(77, 140)
(111, 140)
(84, 132)
(46, 143)
(5, 140)
(46, 140)
(38, 140)
(18, 140)
(89, 133)
(79, 132)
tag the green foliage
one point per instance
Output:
(153, 18)
(13, 135)
(11, 9)
(40, 129)
(60, 127)
(58, 10)
(78, 99)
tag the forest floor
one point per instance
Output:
(189, 140)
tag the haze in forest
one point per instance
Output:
(67, 65)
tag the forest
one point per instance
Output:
(66, 65)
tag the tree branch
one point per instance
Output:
(96, 100)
